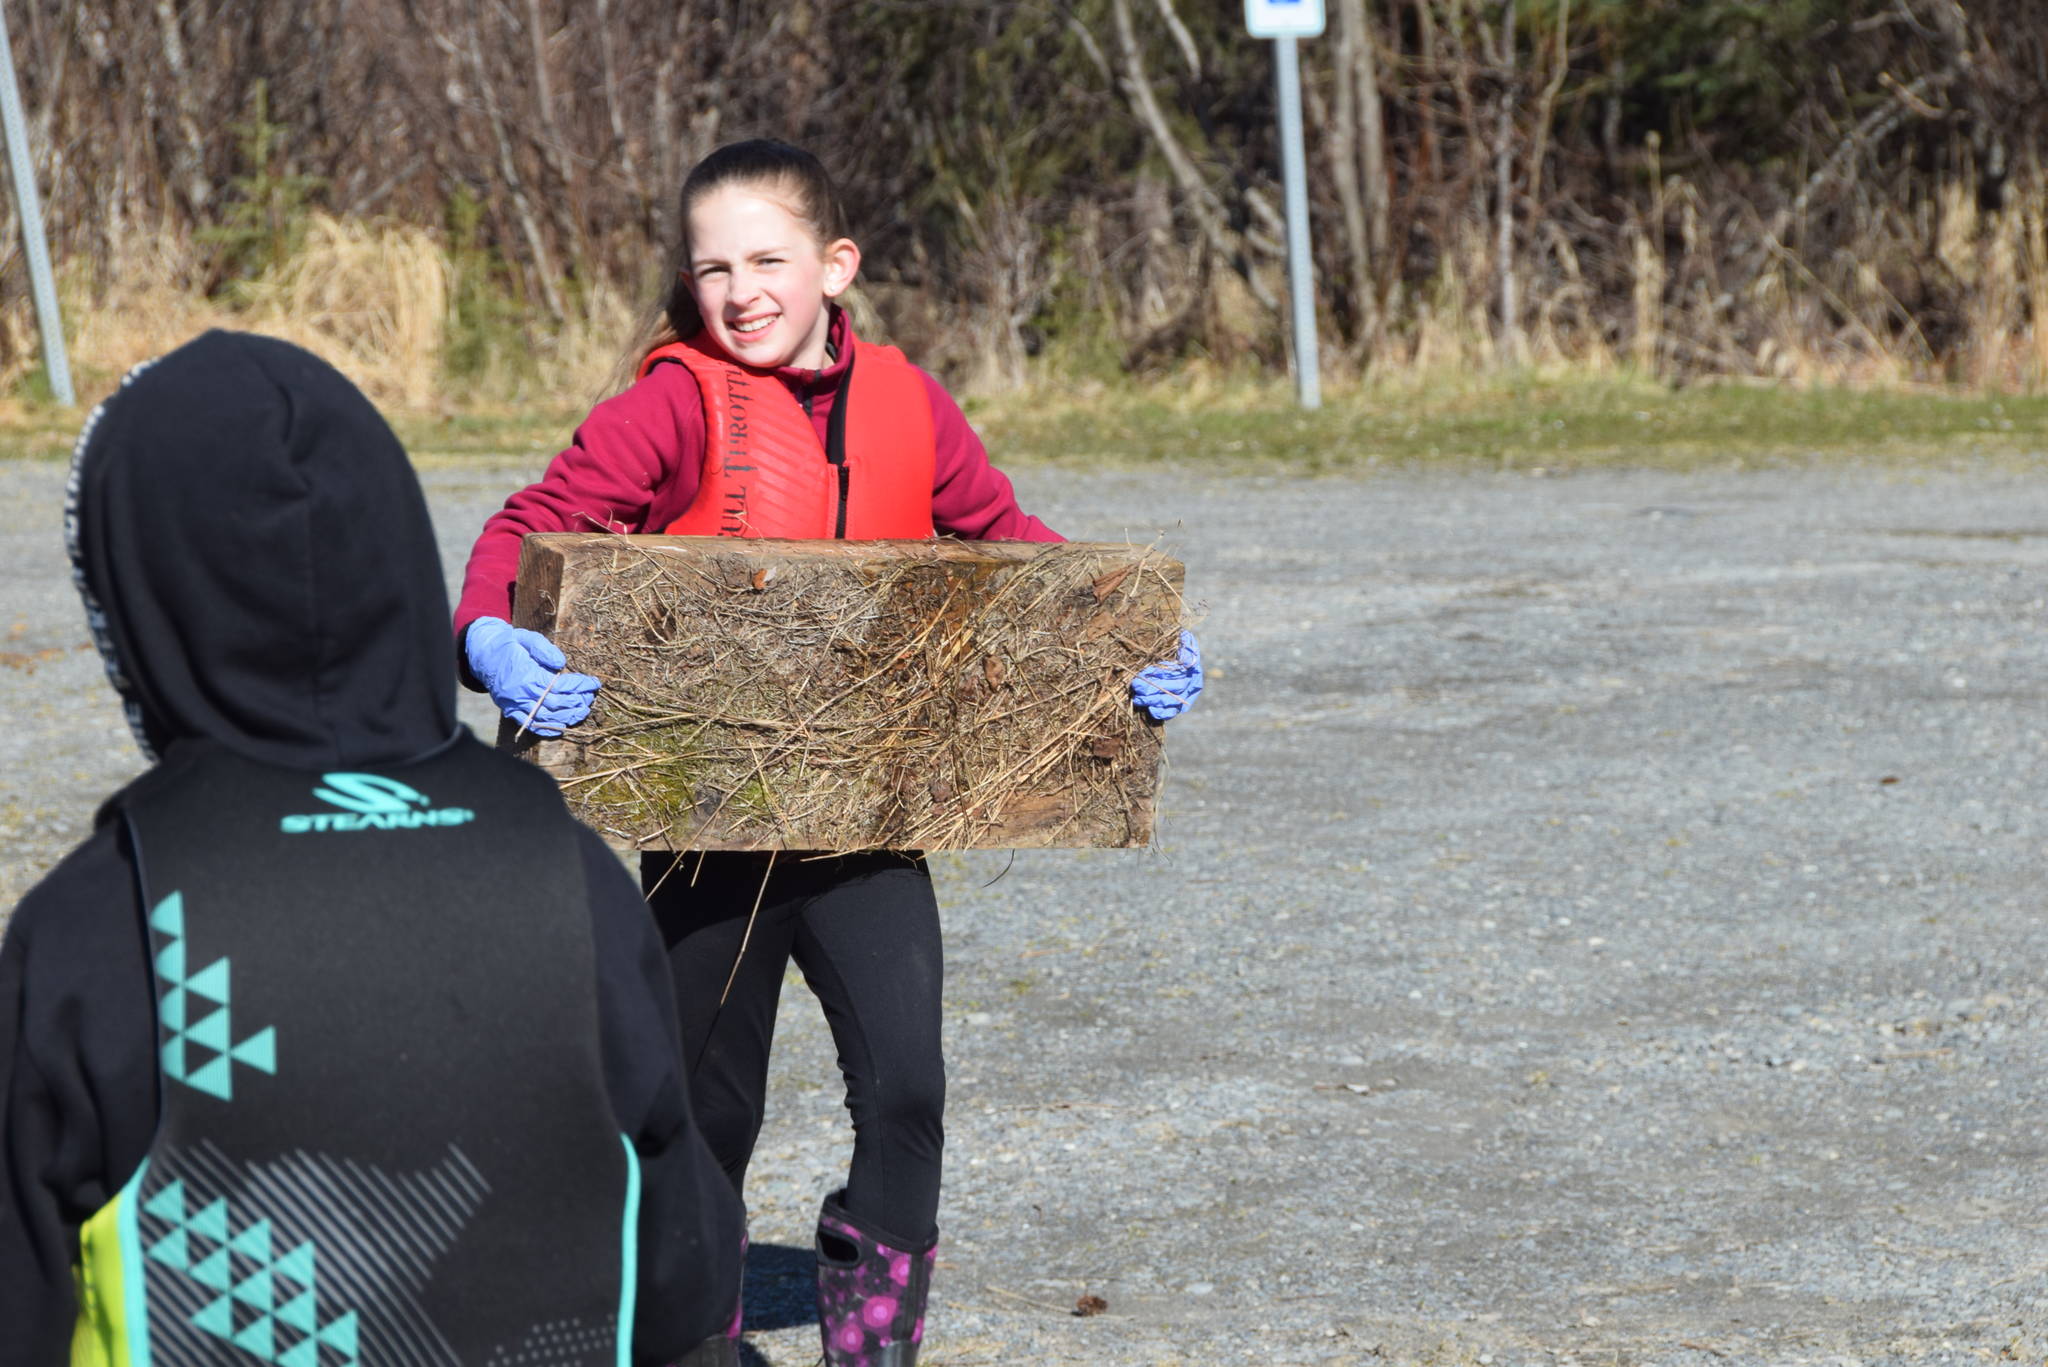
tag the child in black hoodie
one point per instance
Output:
(337, 1041)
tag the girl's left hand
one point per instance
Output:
(1167, 690)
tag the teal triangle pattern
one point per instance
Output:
(216, 1078)
(186, 1029)
(212, 1222)
(259, 1051)
(259, 1290)
(254, 1242)
(169, 1204)
(217, 1319)
(173, 1250)
(258, 1338)
(211, 982)
(276, 1302)
(212, 1032)
(215, 1272)
(299, 1313)
(340, 1334)
(298, 1265)
(169, 916)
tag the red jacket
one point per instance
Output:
(634, 464)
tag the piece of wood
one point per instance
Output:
(848, 695)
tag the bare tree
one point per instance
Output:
(191, 148)
(1844, 184)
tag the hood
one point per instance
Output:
(257, 563)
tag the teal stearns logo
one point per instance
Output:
(372, 802)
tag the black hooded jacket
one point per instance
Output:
(260, 574)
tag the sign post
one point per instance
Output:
(42, 285)
(1286, 22)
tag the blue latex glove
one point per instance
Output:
(1167, 690)
(520, 668)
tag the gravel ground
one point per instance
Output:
(1594, 922)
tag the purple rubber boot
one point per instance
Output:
(870, 1294)
(723, 1350)
(739, 1300)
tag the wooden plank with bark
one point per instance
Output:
(848, 695)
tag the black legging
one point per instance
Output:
(865, 931)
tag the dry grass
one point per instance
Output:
(1681, 294)
(1679, 305)
(371, 298)
(904, 695)
(2002, 259)
(376, 299)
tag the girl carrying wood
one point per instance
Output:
(756, 411)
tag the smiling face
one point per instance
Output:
(762, 279)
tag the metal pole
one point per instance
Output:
(41, 283)
(1301, 287)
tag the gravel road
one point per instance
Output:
(1595, 921)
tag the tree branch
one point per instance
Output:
(1201, 200)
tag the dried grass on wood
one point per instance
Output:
(926, 702)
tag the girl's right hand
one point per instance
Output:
(525, 674)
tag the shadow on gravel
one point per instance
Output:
(780, 1289)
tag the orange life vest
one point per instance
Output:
(765, 472)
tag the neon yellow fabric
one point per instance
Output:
(101, 1338)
